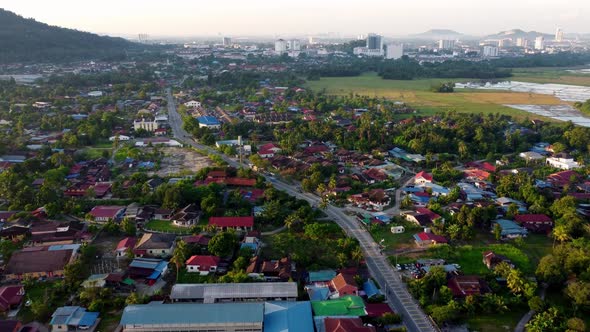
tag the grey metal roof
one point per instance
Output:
(209, 292)
(193, 313)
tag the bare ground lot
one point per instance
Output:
(180, 161)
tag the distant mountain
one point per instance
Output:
(436, 34)
(26, 40)
(518, 33)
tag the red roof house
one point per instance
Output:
(104, 213)
(462, 286)
(538, 223)
(346, 325)
(11, 297)
(237, 223)
(268, 150)
(427, 239)
(124, 245)
(203, 264)
(344, 284)
(422, 177)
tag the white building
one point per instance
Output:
(539, 43)
(490, 51)
(121, 138)
(562, 163)
(367, 51)
(284, 46)
(394, 51)
(522, 42)
(145, 124)
(445, 44)
(559, 35)
(192, 103)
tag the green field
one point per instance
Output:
(417, 93)
(395, 241)
(165, 226)
(495, 322)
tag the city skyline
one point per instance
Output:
(266, 18)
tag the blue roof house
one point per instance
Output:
(73, 318)
(208, 122)
(287, 316)
(371, 289)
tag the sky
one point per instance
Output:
(184, 18)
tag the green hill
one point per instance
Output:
(26, 40)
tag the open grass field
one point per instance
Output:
(395, 241)
(417, 93)
(165, 226)
(494, 322)
(551, 75)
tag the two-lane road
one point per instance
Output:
(394, 289)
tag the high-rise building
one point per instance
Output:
(522, 42)
(374, 42)
(226, 41)
(539, 43)
(490, 51)
(394, 51)
(446, 44)
(280, 46)
(293, 45)
(559, 35)
(284, 46)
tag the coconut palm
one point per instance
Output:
(179, 256)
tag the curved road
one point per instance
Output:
(390, 280)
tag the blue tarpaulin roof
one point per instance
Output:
(370, 288)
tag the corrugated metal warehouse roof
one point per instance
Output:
(210, 292)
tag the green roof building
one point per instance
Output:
(349, 305)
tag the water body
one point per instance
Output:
(579, 71)
(22, 79)
(561, 91)
(566, 93)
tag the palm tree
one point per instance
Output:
(179, 256)
(357, 255)
(291, 220)
(560, 234)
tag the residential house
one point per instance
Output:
(198, 240)
(281, 269)
(422, 177)
(510, 230)
(124, 246)
(375, 199)
(187, 216)
(321, 276)
(37, 262)
(147, 124)
(52, 232)
(5, 215)
(236, 223)
(462, 286)
(562, 161)
(531, 156)
(536, 223)
(202, 264)
(73, 318)
(370, 289)
(11, 297)
(210, 122)
(251, 242)
(230, 317)
(234, 292)
(149, 270)
(155, 245)
(343, 284)
(340, 324)
(192, 104)
(424, 239)
(562, 179)
(268, 150)
(491, 259)
(105, 213)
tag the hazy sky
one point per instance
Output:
(280, 17)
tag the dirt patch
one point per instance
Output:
(181, 161)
